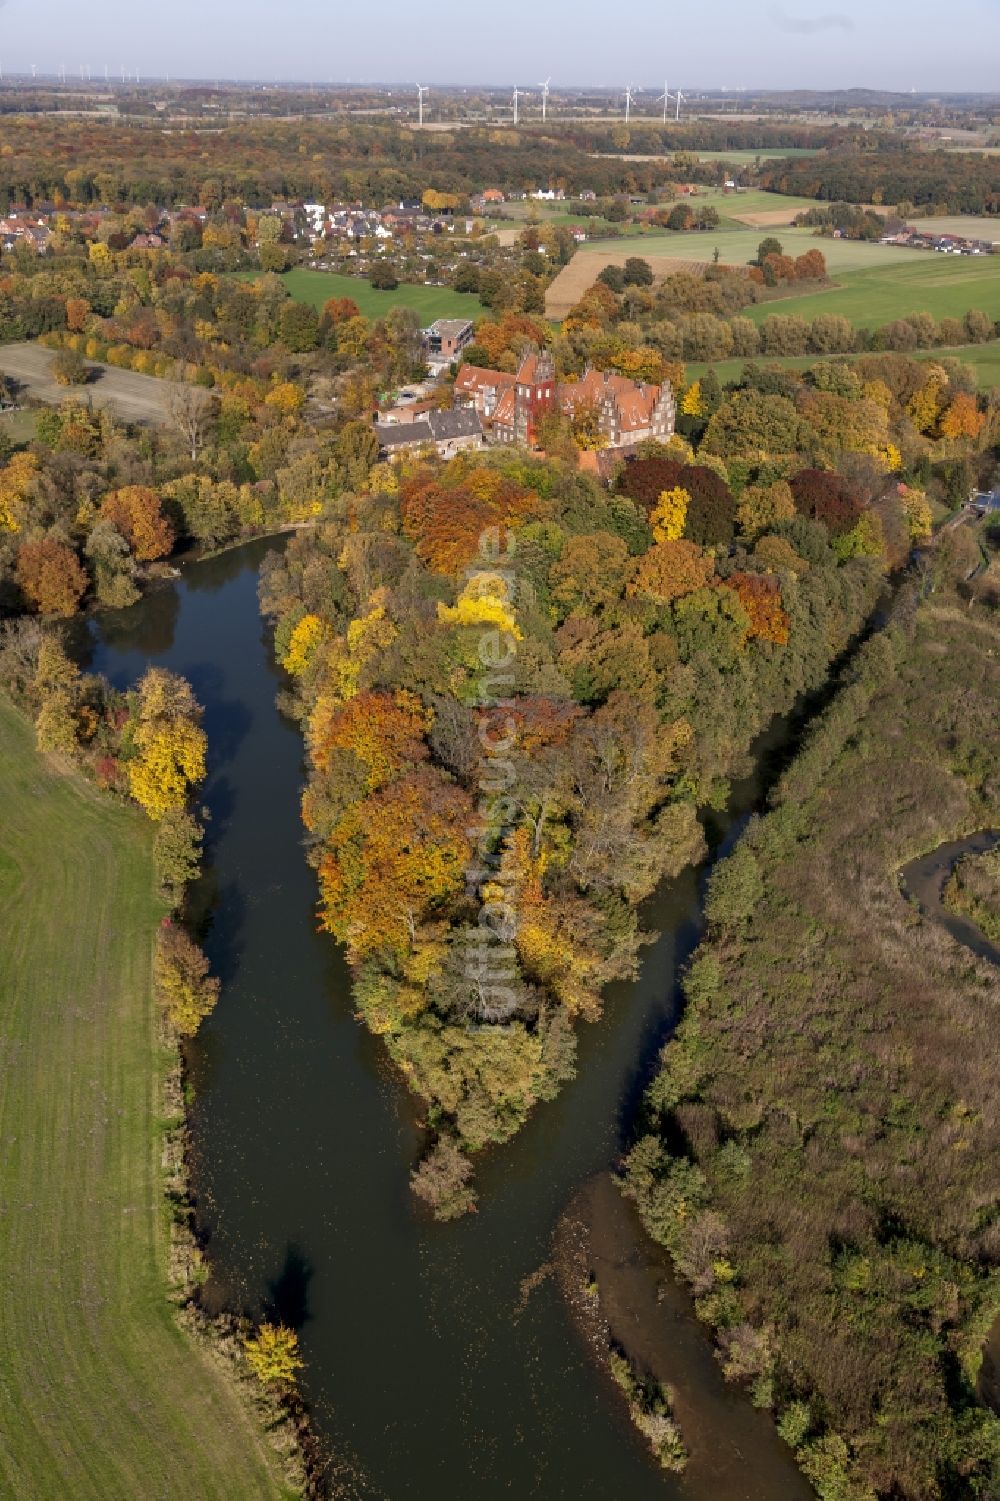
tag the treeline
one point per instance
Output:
(891, 171)
(820, 1143)
(692, 316)
(482, 864)
(672, 137)
(83, 163)
(90, 511)
(145, 745)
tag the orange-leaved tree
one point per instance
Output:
(760, 596)
(137, 513)
(50, 576)
(394, 861)
(670, 569)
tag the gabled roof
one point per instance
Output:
(473, 378)
(460, 422)
(505, 411)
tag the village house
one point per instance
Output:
(447, 433)
(25, 229)
(627, 412)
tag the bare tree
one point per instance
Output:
(190, 410)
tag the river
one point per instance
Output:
(421, 1372)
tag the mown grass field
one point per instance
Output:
(925, 282)
(104, 1398)
(984, 359)
(972, 226)
(317, 287)
(737, 246)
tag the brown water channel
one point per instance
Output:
(925, 878)
(420, 1369)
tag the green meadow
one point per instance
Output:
(317, 287)
(105, 1398)
(946, 286)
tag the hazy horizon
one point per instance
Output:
(832, 44)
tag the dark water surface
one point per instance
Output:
(419, 1369)
(924, 880)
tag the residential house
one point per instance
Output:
(447, 432)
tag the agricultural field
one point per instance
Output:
(745, 158)
(104, 1397)
(924, 282)
(972, 226)
(693, 251)
(317, 287)
(737, 246)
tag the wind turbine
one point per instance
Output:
(665, 97)
(545, 97)
(517, 94)
(422, 89)
(629, 87)
(679, 96)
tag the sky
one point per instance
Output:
(895, 44)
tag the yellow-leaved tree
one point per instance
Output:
(273, 1354)
(670, 515)
(484, 601)
(302, 644)
(169, 741)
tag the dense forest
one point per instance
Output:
(254, 164)
(821, 1140)
(517, 690)
(893, 171)
(327, 160)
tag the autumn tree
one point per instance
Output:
(184, 987)
(393, 861)
(670, 569)
(273, 1355)
(190, 411)
(825, 496)
(57, 691)
(69, 368)
(137, 513)
(169, 743)
(50, 576)
(962, 419)
(443, 1180)
(760, 596)
(670, 515)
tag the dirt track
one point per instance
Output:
(134, 398)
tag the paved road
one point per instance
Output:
(134, 398)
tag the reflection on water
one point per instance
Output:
(417, 1364)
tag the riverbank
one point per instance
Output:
(105, 1396)
(821, 1138)
(624, 1296)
